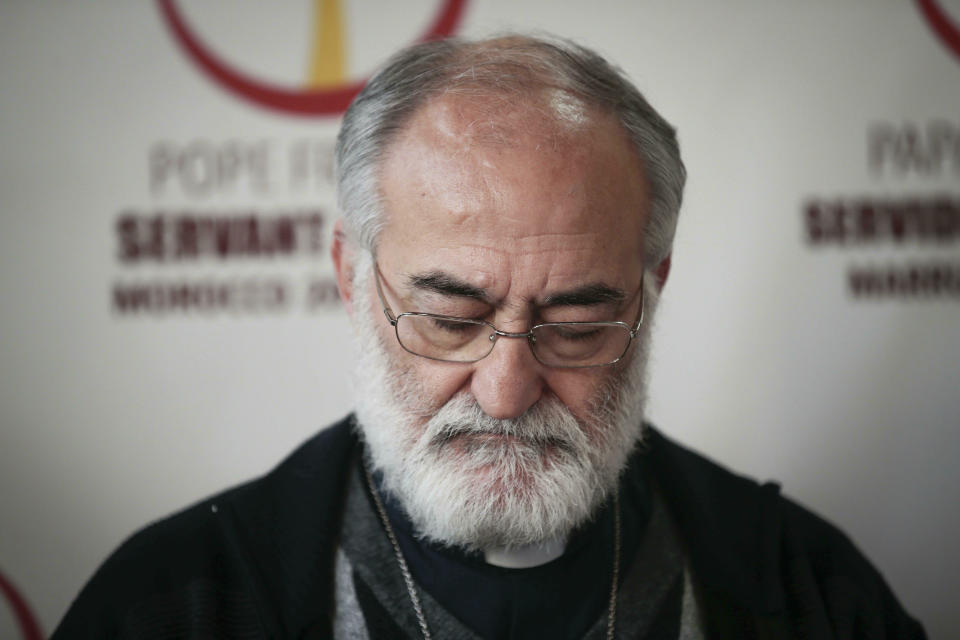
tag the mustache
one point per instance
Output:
(449, 432)
(541, 427)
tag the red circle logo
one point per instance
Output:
(29, 627)
(328, 100)
(942, 24)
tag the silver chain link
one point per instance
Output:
(612, 610)
(407, 578)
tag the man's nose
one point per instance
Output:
(509, 380)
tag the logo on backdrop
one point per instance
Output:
(238, 225)
(328, 90)
(904, 243)
(942, 23)
(26, 621)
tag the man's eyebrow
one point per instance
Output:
(586, 296)
(447, 285)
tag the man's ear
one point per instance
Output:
(663, 271)
(343, 265)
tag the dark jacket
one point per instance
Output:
(257, 561)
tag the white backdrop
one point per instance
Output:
(119, 405)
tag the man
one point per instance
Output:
(509, 208)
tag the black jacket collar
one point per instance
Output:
(729, 525)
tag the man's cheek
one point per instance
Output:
(440, 382)
(577, 391)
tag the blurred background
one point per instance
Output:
(169, 324)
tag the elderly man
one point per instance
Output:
(509, 207)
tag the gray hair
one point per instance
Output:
(504, 65)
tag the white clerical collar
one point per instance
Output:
(525, 557)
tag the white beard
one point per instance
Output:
(468, 480)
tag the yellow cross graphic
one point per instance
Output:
(328, 63)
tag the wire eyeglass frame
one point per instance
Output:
(530, 336)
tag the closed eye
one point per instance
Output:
(452, 326)
(577, 334)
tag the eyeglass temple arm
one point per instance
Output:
(636, 328)
(387, 311)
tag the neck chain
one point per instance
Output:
(412, 590)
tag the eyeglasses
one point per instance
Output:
(570, 345)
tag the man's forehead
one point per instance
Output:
(490, 133)
(552, 185)
(468, 117)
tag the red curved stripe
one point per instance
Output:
(300, 102)
(27, 622)
(941, 24)
(447, 21)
